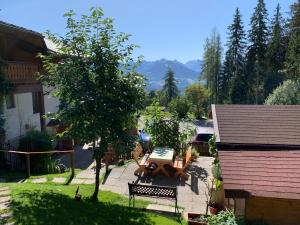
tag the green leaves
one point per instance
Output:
(98, 88)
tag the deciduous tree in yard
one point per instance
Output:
(93, 77)
(198, 97)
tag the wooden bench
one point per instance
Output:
(138, 151)
(152, 191)
(181, 165)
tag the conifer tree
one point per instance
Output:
(276, 48)
(212, 64)
(276, 53)
(170, 88)
(233, 68)
(293, 52)
(256, 52)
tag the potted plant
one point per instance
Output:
(197, 219)
(212, 205)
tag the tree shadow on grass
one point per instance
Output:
(49, 208)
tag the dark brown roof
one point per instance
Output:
(257, 124)
(274, 174)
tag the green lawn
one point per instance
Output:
(55, 205)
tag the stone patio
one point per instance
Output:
(191, 192)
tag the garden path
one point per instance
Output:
(5, 199)
(191, 192)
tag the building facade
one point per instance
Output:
(26, 106)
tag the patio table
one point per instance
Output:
(161, 156)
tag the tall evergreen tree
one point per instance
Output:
(170, 88)
(276, 53)
(212, 64)
(276, 48)
(233, 68)
(256, 52)
(293, 52)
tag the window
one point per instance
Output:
(36, 102)
(10, 101)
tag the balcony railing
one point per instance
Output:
(21, 72)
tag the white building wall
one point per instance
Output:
(20, 118)
(51, 103)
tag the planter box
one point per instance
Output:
(192, 216)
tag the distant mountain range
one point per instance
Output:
(185, 73)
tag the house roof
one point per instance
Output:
(274, 174)
(15, 27)
(257, 124)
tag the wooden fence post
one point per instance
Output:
(28, 165)
(72, 164)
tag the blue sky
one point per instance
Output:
(172, 29)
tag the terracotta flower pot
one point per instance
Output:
(213, 210)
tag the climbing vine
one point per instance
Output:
(5, 87)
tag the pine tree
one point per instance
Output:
(276, 49)
(233, 68)
(212, 64)
(276, 53)
(170, 88)
(293, 52)
(256, 51)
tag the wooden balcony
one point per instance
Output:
(21, 72)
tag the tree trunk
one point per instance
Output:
(97, 179)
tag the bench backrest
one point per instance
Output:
(188, 156)
(152, 190)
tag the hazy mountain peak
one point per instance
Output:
(155, 71)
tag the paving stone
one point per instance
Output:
(59, 180)
(191, 192)
(5, 216)
(3, 189)
(89, 181)
(5, 193)
(86, 174)
(4, 206)
(161, 208)
(10, 223)
(39, 180)
(4, 199)
(77, 181)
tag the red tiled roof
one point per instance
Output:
(257, 124)
(274, 174)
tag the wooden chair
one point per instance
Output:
(143, 163)
(181, 165)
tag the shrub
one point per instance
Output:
(225, 218)
(36, 141)
(287, 93)
(180, 107)
(216, 171)
(228, 218)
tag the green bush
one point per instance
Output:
(287, 93)
(228, 218)
(216, 171)
(225, 218)
(36, 141)
(180, 107)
